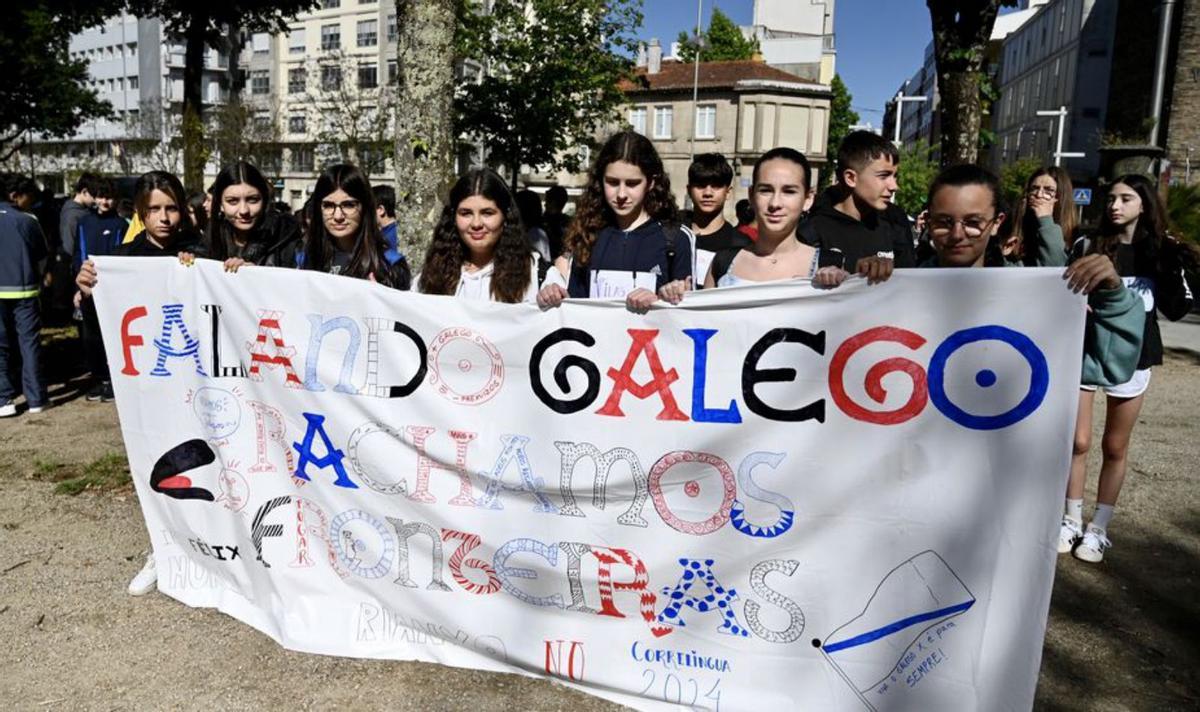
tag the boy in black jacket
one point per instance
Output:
(22, 256)
(855, 218)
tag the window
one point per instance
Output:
(261, 42)
(297, 79)
(133, 82)
(706, 121)
(297, 124)
(637, 119)
(392, 28)
(260, 82)
(302, 159)
(368, 33)
(331, 78)
(330, 4)
(296, 41)
(331, 37)
(664, 116)
(393, 72)
(368, 76)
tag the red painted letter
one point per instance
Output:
(128, 340)
(643, 342)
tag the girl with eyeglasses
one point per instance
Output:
(343, 235)
(1151, 264)
(1045, 219)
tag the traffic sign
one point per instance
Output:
(1083, 196)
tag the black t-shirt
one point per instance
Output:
(723, 239)
(141, 246)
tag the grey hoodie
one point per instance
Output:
(68, 225)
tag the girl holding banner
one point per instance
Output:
(625, 241)
(1151, 264)
(343, 235)
(781, 194)
(242, 228)
(161, 205)
(479, 249)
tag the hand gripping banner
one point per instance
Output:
(769, 497)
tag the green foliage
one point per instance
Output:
(1183, 212)
(917, 171)
(723, 41)
(44, 90)
(553, 72)
(1013, 177)
(107, 472)
(841, 118)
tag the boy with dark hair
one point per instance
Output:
(100, 233)
(22, 251)
(385, 211)
(710, 179)
(73, 211)
(745, 217)
(856, 218)
(22, 192)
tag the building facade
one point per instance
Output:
(797, 37)
(1183, 117)
(743, 109)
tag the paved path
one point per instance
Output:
(1183, 334)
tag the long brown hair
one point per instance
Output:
(369, 248)
(594, 213)
(167, 183)
(1150, 236)
(1064, 208)
(512, 261)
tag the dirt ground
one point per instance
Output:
(1123, 635)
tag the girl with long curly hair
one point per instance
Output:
(343, 236)
(1151, 263)
(479, 249)
(625, 233)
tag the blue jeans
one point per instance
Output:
(20, 327)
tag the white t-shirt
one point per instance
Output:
(477, 285)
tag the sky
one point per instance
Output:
(880, 43)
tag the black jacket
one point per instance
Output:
(843, 240)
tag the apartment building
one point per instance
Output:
(797, 37)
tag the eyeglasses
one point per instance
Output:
(942, 225)
(348, 207)
(1043, 190)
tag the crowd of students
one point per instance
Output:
(628, 239)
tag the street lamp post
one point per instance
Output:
(1061, 113)
(696, 75)
(900, 99)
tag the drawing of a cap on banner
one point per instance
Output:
(915, 596)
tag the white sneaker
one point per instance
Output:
(146, 579)
(1069, 534)
(8, 410)
(1095, 542)
(35, 409)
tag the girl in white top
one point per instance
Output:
(781, 194)
(479, 249)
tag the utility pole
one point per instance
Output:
(900, 99)
(1061, 113)
(696, 75)
(1166, 12)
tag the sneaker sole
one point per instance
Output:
(1089, 556)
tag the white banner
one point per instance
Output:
(770, 497)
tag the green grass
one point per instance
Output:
(107, 472)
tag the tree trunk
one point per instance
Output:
(424, 120)
(194, 153)
(961, 124)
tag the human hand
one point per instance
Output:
(1090, 273)
(187, 259)
(672, 292)
(830, 277)
(77, 300)
(551, 295)
(875, 269)
(639, 300)
(1042, 206)
(87, 277)
(233, 263)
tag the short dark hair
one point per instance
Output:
(966, 174)
(710, 169)
(787, 154)
(859, 148)
(105, 188)
(744, 211)
(21, 185)
(88, 182)
(385, 195)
